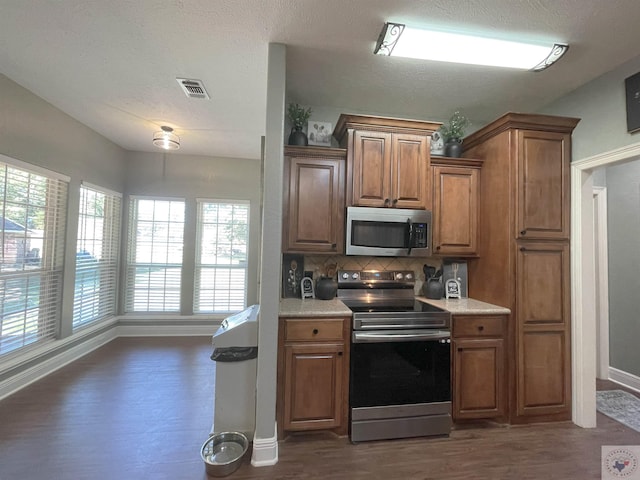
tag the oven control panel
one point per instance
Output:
(346, 277)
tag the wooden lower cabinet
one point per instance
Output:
(543, 347)
(313, 370)
(313, 386)
(479, 377)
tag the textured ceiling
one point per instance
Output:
(112, 64)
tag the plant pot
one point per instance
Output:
(298, 137)
(453, 149)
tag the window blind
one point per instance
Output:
(95, 289)
(154, 260)
(221, 258)
(32, 229)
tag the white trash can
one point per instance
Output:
(235, 351)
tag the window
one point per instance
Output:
(32, 231)
(154, 265)
(221, 256)
(96, 256)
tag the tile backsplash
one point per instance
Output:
(318, 265)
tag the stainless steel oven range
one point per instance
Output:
(400, 372)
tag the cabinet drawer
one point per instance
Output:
(478, 326)
(313, 330)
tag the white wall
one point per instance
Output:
(191, 177)
(601, 105)
(34, 131)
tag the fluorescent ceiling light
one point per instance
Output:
(399, 40)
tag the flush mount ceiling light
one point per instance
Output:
(166, 139)
(399, 40)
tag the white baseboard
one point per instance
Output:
(150, 330)
(50, 365)
(625, 379)
(265, 451)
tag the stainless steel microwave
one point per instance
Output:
(388, 232)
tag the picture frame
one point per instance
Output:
(292, 274)
(632, 89)
(319, 133)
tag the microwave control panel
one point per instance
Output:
(420, 235)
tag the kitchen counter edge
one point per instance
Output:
(466, 306)
(312, 307)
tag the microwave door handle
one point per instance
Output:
(410, 228)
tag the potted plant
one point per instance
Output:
(452, 134)
(298, 116)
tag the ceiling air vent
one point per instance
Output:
(193, 88)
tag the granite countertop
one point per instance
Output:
(466, 306)
(312, 307)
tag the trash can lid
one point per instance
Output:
(238, 330)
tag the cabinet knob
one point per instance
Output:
(339, 354)
(522, 249)
(480, 327)
(333, 245)
(438, 247)
(523, 232)
(386, 202)
(315, 331)
(395, 200)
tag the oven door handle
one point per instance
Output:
(377, 337)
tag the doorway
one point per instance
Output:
(601, 259)
(583, 272)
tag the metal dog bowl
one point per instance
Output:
(223, 452)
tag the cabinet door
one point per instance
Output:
(371, 169)
(543, 330)
(543, 185)
(409, 171)
(455, 212)
(313, 386)
(478, 378)
(315, 204)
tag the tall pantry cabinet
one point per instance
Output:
(523, 255)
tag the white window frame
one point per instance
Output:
(207, 297)
(159, 295)
(97, 255)
(31, 280)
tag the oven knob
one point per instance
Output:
(345, 275)
(398, 276)
(355, 276)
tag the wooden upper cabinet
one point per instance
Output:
(388, 161)
(313, 201)
(371, 168)
(409, 171)
(455, 210)
(543, 207)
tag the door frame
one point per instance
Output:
(602, 281)
(583, 316)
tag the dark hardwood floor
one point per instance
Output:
(141, 409)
